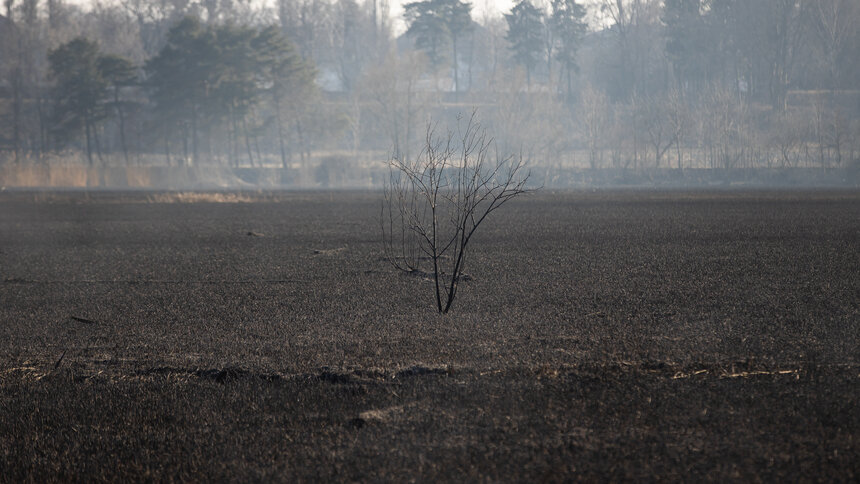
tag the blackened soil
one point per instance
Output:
(602, 336)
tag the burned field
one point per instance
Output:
(612, 335)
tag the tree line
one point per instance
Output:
(200, 94)
(605, 83)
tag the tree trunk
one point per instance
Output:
(471, 58)
(435, 256)
(121, 116)
(166, 147)
(43, 125)
(193, 134)
(98, 145)
(257, 150)
(16, 113)
(247, 140)
(185, 144)
(569, 88)
(89, 147)
(234, 137)
(302, 147)
(456, 73)
(280, 123)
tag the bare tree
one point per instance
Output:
(787, 137)
(394, 102)
(836, 21)
(727, 127)
(634, 26)
(656, 116)
(594, 118)
(679, 120)
(534, 123)
(433, 204)
(831, 132)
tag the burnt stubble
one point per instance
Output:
(620, 335)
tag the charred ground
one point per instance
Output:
(618, 335)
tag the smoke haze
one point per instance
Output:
(323, 93)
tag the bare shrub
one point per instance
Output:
(594, 116)
(434, 203)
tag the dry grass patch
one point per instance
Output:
(200, 197)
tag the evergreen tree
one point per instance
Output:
(567, 22)
(437, 25)
(118, 72)
(685, 35)
(457, 17)
(79, 90)
(288, 79)
(525, 35)
(181, 77)
(217, 76)
(234, 86)
(427, 27)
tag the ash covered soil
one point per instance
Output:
(612, 335)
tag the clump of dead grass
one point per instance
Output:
(200, 197)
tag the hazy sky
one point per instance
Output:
(479, 8)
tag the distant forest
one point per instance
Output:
(329, 84)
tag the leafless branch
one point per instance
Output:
(433, 204)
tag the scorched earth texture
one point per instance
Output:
(619, 335)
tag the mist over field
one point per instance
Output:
(354, 241)
(323, 93)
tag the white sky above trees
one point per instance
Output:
(481, 9)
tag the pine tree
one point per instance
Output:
(457, 17)
(118, 72)
(235, 87)
(79, 90)
(684, 31)
(567, 22)
(287, 78)
(181, 78)
(525, 35)
(427, 27)
(437, 25)
(218, 75)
